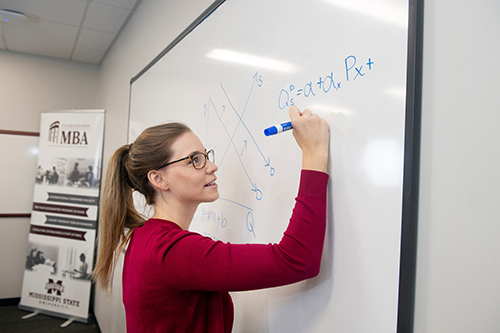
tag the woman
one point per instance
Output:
(178, 281)
(81, 272)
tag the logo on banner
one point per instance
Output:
(68, 134)
(55, 287)
(52, 299)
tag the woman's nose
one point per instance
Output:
(211, 167)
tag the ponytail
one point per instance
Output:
(116, 213)
(127, 172)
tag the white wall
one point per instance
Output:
(458, 270)
(32, 84)
(28, 86)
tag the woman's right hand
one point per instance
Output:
(312, 135)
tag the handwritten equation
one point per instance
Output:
(217, 218)
(327, 84)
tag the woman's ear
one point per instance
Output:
(156, 179)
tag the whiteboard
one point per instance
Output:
(234, 72)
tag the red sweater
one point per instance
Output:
(178, 281)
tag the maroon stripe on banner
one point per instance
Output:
(60, 209)
(57, 232)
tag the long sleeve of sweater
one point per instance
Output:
(190, 261)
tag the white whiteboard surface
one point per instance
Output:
(235, 75)
(19, 158)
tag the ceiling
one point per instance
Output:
(78, 30)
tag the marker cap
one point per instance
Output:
(271, 131)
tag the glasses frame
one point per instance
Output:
(191, 158)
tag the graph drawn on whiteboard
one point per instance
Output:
(231, 119)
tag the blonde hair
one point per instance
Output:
(127, 172)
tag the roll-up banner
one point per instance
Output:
(60, 254)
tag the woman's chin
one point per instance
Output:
(212, 197)
(215, 197)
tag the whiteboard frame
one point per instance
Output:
(411, 168)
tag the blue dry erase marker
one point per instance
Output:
(278, 128)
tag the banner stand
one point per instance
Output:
(31, 315)
(35, 312)
(63, 224)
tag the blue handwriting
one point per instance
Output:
(287, 96)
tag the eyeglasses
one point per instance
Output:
(198, 160)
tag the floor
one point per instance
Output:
(11, 322)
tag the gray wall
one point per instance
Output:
(30, 85)
(458, 249)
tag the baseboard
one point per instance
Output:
(10, 301)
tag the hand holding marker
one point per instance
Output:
(278, 128)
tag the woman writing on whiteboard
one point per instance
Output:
(175, 280)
